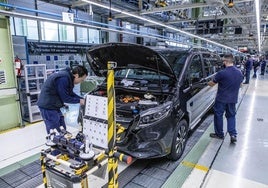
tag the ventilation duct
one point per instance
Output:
(215, 3)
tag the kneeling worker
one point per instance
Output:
(229, 81)
(57, 90)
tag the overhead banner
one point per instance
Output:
(37, 48)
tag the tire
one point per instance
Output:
(179, 140)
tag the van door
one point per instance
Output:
(211, 65)
(194, 77)
(202, 95)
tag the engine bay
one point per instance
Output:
(130, 102)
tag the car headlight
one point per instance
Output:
(155, 114)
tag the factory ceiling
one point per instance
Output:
(231, 23)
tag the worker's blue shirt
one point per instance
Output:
(57, 90)
(229, 81)
(65, 92)
(249, 64)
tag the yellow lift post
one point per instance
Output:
(112, 161)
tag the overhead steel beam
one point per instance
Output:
(174, 7)
(232, 37)
(79, 4)
(208, 18)
(183, 6)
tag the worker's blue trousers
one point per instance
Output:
(53, 119)
(230, 112)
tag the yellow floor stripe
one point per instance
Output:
(196, 166)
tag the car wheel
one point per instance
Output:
(179, 140)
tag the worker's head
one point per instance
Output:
(80, 73)
(228, 60)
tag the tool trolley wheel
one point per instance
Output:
(179, 140)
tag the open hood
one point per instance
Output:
(126, 55)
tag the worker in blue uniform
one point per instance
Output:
(248, 67)
(263, 64)
(57, 90)
(229, 81)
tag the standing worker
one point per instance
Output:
(263, 64)
(229, 81)
(57, 90)
(248, 67)
(256, 66)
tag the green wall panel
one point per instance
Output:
(6, 55)
(9, 114)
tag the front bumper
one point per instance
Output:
(150, 142)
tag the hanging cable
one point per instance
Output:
(110, 12)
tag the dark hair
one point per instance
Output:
(80, 70)
(229, 57)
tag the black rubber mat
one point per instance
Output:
(125, 177)
(15, 178)
(145, 180)
(32, 183)
(32, 169)
(28, 176)
(132, 185)
(157, 173)
(3, 184)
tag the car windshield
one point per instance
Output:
(176, 60)
(143, 80)
(140, 74)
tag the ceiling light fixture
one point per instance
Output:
(257, 10)
(231, 4)
(156, 23)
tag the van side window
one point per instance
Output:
(212, 64)
(208, 65)
(195, 69)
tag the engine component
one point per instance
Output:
(129, 98)
(149, 96)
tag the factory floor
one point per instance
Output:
(210, 163)
(243, 164)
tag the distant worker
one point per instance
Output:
(248, 67)
(229, 81)
(256, 66)
(262, 64)
(57, 90)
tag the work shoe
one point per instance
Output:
(233, 139)
(214, 135)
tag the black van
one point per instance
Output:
(160, 95)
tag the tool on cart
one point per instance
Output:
(80, 145)
(71, 159)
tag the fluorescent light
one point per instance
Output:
(156, 23)
(257, 10)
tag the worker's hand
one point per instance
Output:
(82, 102)
(211, 83)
